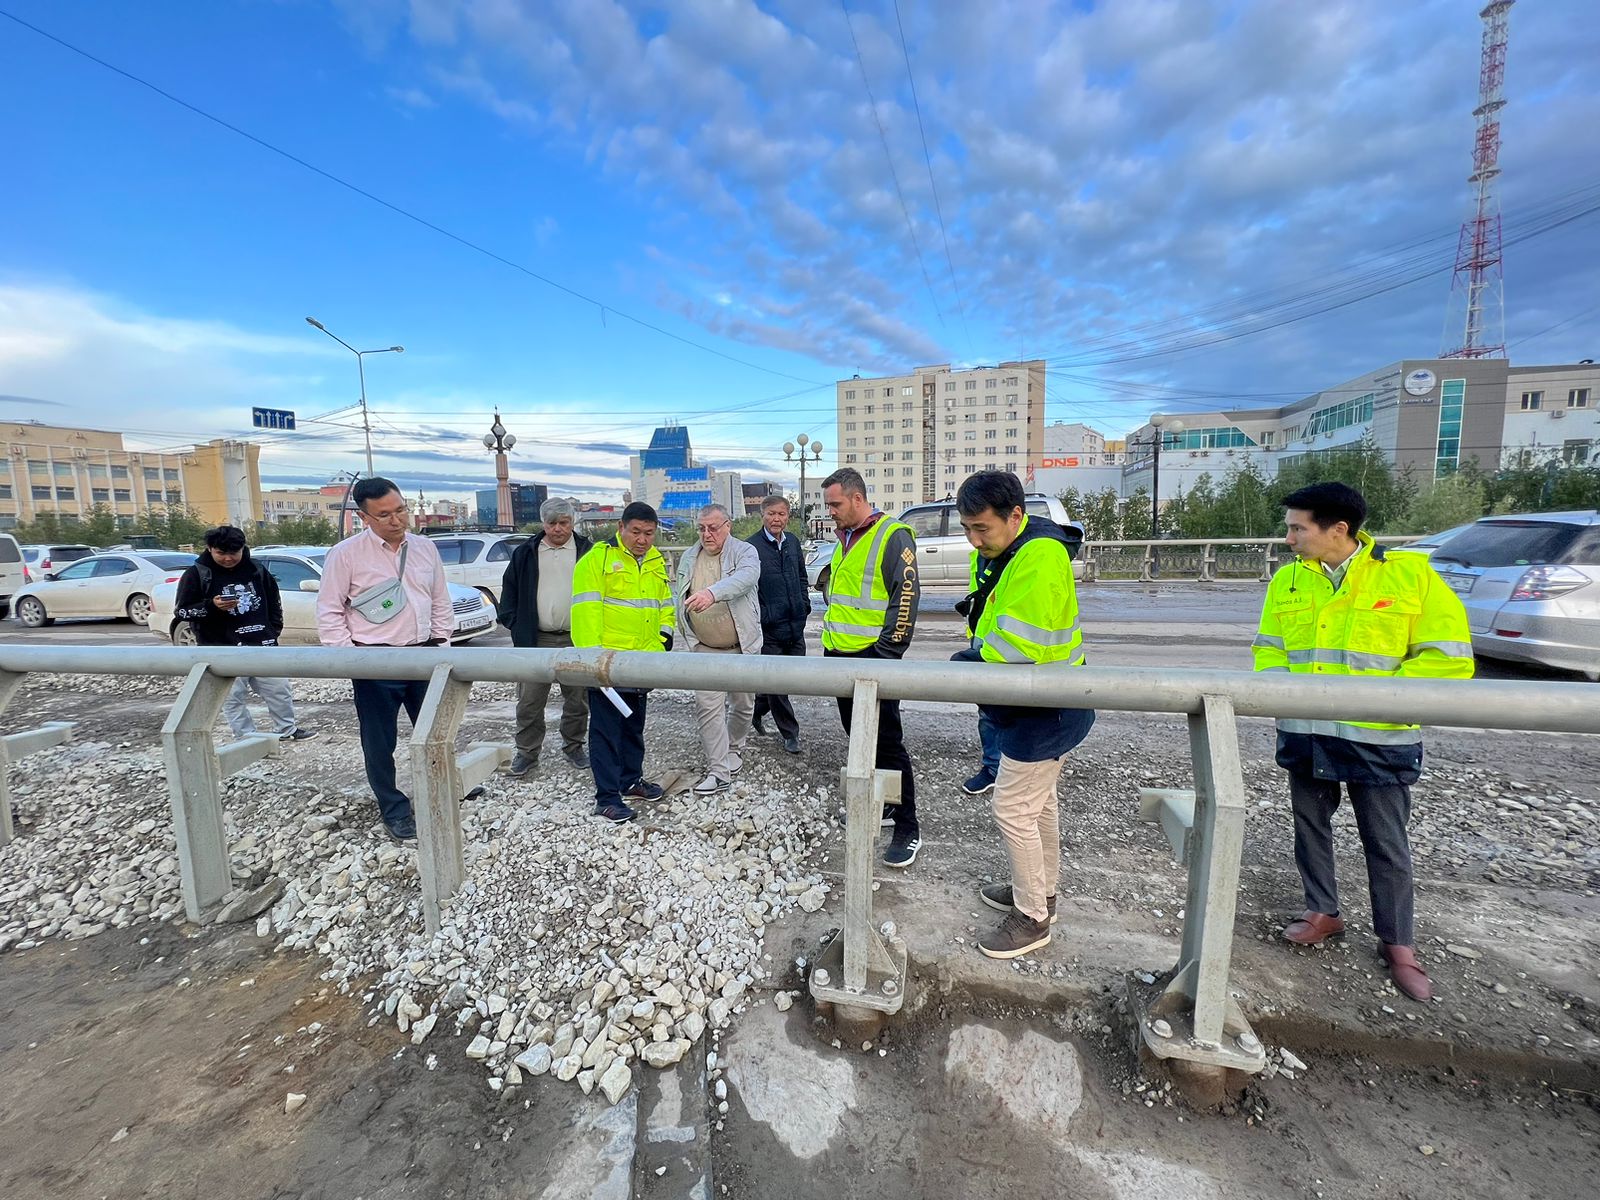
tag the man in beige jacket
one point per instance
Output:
(719, 613)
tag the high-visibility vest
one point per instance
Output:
(1392, 615)
(619, 602)
(1031, 616)
(858, 600)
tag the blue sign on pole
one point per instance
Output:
(272, 418)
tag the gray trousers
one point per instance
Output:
(532, 697)
(724, 722)
(1382, 813)
(275, 692)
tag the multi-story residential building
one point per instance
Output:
(915, 437)
(278, 504)
(69, 471)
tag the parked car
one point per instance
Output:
(477, 560)
(101, 585)
(298, 570)
(944, 556)
(1427, 545)
(1531, 586)
(40, 560)
(13, 572)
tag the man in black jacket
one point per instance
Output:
(536, 606)
(230, 600)
(785, 604)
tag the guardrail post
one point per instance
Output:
(859, 972)
(438, 782)
(194, 781)
(1208, 563)
(1194, 1019)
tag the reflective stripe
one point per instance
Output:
(871, 631)
(585, 597)
(1355, 660)
(645, 602)
(871, 567)
(1036, 633)
(1404, 735)
(1006, 651)
(1265, 669)
(1453, 649)
(1269, 641)
(867, 603)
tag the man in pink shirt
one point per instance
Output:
(384, 587)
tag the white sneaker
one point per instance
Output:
(710, 786)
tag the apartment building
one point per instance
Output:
(68, 471)
(915, 437)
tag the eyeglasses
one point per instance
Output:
(711, 528)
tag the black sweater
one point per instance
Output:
(258, 619)
(784, 594)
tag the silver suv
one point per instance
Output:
(944, 556)
(1531, 586)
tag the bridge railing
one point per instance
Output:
(1208, 560)
(1193, 1019)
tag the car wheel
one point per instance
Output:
(30, 611)
(183, 634)
(139, 609)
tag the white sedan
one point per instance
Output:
(102, 585)
(298, 570)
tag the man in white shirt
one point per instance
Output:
(536, 606)
(718, 613)
(385, 587)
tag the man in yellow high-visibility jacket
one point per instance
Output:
(872, 613)
(1023, 610)
(1345, 607)
(622, 600)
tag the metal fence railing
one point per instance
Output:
(1193, 1018)
(1208, 560)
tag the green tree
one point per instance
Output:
(1456, 499)
(175, 525)
(298, 531)
(1136, 516)
(1364, 467)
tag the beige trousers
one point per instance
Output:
(724, 722)
(1025, 809)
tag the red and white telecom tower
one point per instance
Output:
(1478, 283)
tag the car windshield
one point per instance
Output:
(170, 562)
(1510, 544)
(30, 554)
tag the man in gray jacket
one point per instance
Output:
(719, 613)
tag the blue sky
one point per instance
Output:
(1141, 191)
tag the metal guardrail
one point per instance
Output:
(1193, 1019)
(1205, 559)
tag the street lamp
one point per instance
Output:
(499, 441)
(366, 426)
(791, 453)
(1160, 425)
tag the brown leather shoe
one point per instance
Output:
(1407, 972)
(1313, 928)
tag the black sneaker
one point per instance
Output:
(643, 790)
(404, 832)
(998, 897)
(791, 744)
(902, 851)
(980, 783)
(521, 764)
(577, 756)
(1017, 935)
(300, 735)
(616, 812)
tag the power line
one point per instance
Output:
(938, 209)
(602, 307)
(894, 175)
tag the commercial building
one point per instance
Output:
(525, 501)
(281, 504)
(1078, 458)
(666, 476)
(69, 471)
(1428, 417)
(915, 437)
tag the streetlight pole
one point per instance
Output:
(790, 451)
(499, 441)
(361, 373)
(1160, 426)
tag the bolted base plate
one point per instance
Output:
(831, 960)
(1147, 1008)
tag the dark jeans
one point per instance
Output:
(989, 736)
(616, 745)
(1382, 812)
(892, 756)
(781, 708)
(378, 704)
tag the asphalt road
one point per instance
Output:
(1125, 625)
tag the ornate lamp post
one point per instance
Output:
(499, 441)
(793, 453)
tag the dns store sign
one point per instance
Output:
(1069, 461)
